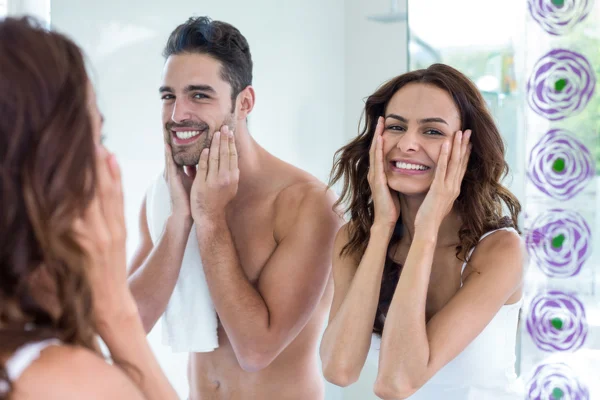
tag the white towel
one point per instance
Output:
(190, 320)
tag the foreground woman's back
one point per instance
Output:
(62, 236)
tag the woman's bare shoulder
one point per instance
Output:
(73, 372)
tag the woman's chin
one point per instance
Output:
(411, 189)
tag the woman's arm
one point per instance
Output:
(357, 279)
(124, 335)
(101, 232)
(404, 342)
(413, 351)
(347, 339)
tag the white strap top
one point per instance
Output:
(25, 356)
(485, 369)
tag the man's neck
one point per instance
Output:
(253, 163)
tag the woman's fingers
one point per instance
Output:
(455, 157)
(372, 151)
(442, 164)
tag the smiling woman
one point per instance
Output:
(439, 315)
(438, 91)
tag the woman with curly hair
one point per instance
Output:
(428, 270)
(62, 234)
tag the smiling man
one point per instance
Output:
(263, 229)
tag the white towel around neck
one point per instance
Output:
(189, 323)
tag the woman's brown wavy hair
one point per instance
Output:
(47, 179)
(482, 197)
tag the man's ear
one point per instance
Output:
(245, 102)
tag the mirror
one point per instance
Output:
(535, 62)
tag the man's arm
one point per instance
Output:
(261, 321)
(154, 269)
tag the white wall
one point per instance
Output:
(375, 52)
(37, 8)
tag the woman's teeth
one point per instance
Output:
(403, 165)
(187, 134)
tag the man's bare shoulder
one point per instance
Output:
(303, 199)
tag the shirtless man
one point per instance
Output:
(265, 228)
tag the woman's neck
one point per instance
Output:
(448, 230)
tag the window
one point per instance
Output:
(538, 66)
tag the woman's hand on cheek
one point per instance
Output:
(445, 188)
(101, 233)
(385, 200)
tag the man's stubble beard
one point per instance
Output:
(191, 157)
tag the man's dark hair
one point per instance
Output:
(220, 40)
